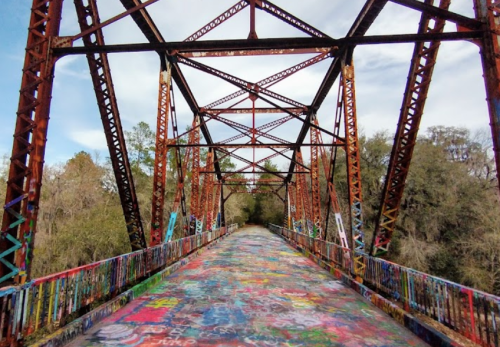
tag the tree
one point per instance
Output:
(141, 146)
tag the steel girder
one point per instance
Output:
(194, 209)
(353, 167)
(303, 189)
(160, 165)
(417, 87)
(209, 191)
(315, 189)
(28, 149)
(215, 212)
(110, 116)
(487, 12)
(271, 80)
(240, 5)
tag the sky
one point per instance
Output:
(456, 97)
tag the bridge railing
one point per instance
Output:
(472, 313)
(55, 300)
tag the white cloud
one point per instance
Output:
(93, 139)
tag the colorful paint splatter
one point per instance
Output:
(250, 290)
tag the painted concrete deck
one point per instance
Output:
(250, 290)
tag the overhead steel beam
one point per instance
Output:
(288, 18)
(197, 49)
(440, 13)
(250, 110)
(257, 145)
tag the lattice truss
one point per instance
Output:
(253, 120)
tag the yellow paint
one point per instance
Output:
(51, 301)
(256, 281)
(39, 306)
(299, 302)
(164, 303)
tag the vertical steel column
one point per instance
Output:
(293, 206)
(332, 193)
(488, 11)
(209, 190)
(286, 212)
(88, 16)
(301, 181)
(299, 210)
(316, 195)
(222, 211)
(195, 178)
(417, 87)
(160, 169)
(215, 213)
(30, 136)
(353, 167)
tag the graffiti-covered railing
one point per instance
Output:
(55, 300)
(472, 313)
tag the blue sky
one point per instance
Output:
(456, 96)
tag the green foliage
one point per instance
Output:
(448, 223)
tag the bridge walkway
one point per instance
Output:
(252, 289)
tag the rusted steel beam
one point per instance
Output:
(266, 46)
(247, 129)
(329, 173)
(273, 79)
(247, 184)
(257, 145)
(204, 48)
(417, 87)
(217, 203)
(255, 52)
(316, 231)
(210, 191)
(270, 110)
(287, 215)
(332, 194)
(181, 166)
(268, 127)
(112, 20)
(30, 137)
(108, 108)
(276, 173)
(165, 100)
(288, 18)
(194, 209)
(253, 164)
(293, 207)
(254, 89)
(441, 13)
(240, 5)
(487, 11)
(249, 180)
(353, 163)
(205, 191)
(303, 189)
